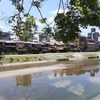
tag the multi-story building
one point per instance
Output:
(93, 30)
(4, 36)
(14, 37)
(99, 38)
(93, 34)
(89, 36)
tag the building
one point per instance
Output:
(93, 34)
(14, 37)
(93, 30)
(99, 38)
(4, 36)
(51, 40)
(35, 37)
(89, 36)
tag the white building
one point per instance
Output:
(99, 38)
(36, 37)
(14, 37)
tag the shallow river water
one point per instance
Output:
(79, 83)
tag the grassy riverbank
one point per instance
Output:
(21, 58)
(42, 57)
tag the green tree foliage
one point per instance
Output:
(76, 14)
(25, 29)
(80, 13)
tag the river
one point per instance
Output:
(52, 81)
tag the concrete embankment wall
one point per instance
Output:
(72, 56)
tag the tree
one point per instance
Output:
(76, 14)
(25, 29)
(81, 13)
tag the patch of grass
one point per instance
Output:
(39, 59)
(93, 57)
(27, 59)
(23, 58)
(1, 57)
(11, 60)
(64, 59)
(17, 59)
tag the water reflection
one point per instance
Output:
(61, 84)
(77, 89)
(23, 80)
(77, 83)
(75, 71)
(95, 80)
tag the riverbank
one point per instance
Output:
(48, 63)
(11, 60)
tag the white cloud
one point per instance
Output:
(76, 89)
(1, 26)
(51, 19)
(24, 19)
(61, 84)
(38, 23)
(55, 11)
(95, 79)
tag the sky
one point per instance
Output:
(48, 9)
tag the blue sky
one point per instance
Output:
(48, 9)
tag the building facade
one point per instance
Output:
(93, 34)
(4, 36)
